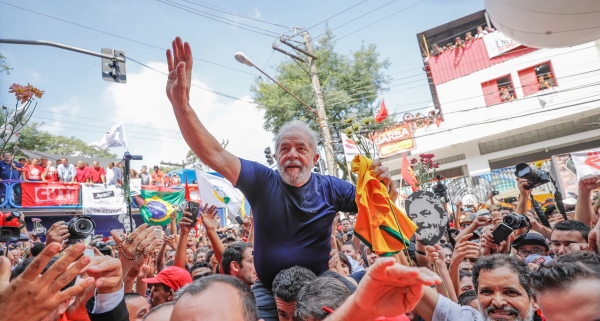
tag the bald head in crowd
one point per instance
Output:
(216, 298)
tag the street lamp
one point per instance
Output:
(243, 59)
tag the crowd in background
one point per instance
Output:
(180, 255)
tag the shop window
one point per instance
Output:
(536, 78)
(498, 90)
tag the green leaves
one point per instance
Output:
(31, 137)
(351, 84)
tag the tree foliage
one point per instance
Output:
(31, 137)
(4, 66)
(350, 83)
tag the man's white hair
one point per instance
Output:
(296, 124)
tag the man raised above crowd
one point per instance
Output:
(294, 207)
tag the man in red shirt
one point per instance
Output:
(82, 173)
(158, 176)
(97, 174)
(33, 172)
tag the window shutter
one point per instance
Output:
(490, 92)
(529, 81)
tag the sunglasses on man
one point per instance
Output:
(199, 276)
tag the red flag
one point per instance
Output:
(187, 190)
(382, 114)
(407, 173)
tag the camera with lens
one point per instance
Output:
(103, 248)
(515, 221)
(10, 226)
(535, 177)
(80, 227)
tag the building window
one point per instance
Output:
(498, 90)
(536, 78)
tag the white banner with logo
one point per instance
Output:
(497, 43)
(586, 163)
(102, 200)
(135, 186)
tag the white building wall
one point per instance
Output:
(468, 121)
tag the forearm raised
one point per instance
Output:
(583, 208)
(205, 145)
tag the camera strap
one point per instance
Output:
(540, 213)
(558, 199)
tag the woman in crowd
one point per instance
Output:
(50, 173)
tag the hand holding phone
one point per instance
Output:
(194, 208)
(501, 233)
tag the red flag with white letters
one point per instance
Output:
(36, 194)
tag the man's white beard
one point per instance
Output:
(295, 179)
(528, 317)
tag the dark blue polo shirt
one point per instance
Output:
(7, 172)
(292, 225)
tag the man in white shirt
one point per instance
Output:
(114, 176)
(503, 293)
(66, 171)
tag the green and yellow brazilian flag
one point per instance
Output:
(157, 203)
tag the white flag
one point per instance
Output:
(115, 137)
(218, 191)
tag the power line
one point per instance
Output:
(120, 37)
(236, 14)
(208, 15)
(397, 12)
(364, 14)
(205, 89)
(520, 99)
(335, 15)
(102, 127)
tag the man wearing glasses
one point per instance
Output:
(200, 270)
(532, 243)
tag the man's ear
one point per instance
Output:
(315, 160)
(234, 267)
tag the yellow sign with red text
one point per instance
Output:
(395, 141)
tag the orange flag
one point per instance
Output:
(382, 114)
(407, 173)
(380, 224)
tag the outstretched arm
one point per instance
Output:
(195, 134)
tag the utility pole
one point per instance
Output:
(318, 94)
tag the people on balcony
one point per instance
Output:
(480, 32)
(458, 43)
(506, 95)
(469, 37)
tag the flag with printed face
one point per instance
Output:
(157, 203)
(115, 137)
(217, 191)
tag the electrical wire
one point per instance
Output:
(335, 15)
(202, 88)
(479, 96)
(121, 37)
(395, 13)
(505, 66)
(236, 14)
(208, 15)
(362, 15)
(520, 99)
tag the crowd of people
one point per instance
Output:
(297, 257)
(458, 42)
(44, 170)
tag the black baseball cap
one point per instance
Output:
(531, 239)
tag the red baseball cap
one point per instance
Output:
(172, 276)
